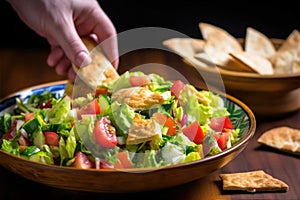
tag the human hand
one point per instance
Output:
(62, 23)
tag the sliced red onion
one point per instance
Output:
(183, 120)
(23, 133)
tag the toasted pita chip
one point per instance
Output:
(219, 38)
(218, 44)
(139, 98)
(258, 43)
(142, 130)
(225, 62)
(197, 45)
(287, 58)
(258, 64)
(292, 41)
(203, 57)
(286, 62)
(252, 181)
(186, 48)
(282, 138)
(100, 71)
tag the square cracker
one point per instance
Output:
(283, 138)
(252, 181)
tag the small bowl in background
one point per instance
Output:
(268, 95)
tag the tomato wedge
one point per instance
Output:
(139, 80)
(222, 139)
(194, 132)
(106, 165)
(105, 134)
(221, 124)
(82, 161)
(176, 88)
(123, 161)
(29, 116)
(166, 121)
(52, 138)
(92, 107)
(101, 90)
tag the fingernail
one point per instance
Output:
(83, 59)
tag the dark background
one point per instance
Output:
(276, 19)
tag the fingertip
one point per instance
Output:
(115, 63)
(55, 55)
(72, 74)
(63, 66)
(83, 59)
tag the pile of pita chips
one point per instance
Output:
(100, 70)
(283, 138)
(218, 44)
(287, 58)
(258, 55)
(252, 181)
(227, 52)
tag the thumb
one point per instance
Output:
(72, 45)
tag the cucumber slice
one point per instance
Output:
(31, 126)
(104, 103)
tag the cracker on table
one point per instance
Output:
(283, 138)
(252, 181)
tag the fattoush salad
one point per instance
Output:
(136, 121)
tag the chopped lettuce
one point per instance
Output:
(159, 84)
(60, 111)
(122, 116)
(44, 112)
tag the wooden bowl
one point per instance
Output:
(124, 181)
(269, 96)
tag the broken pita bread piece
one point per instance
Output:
(283, 138)
(252, 181)
(139, 98)
(258, 43)
(100, 71)
(258, 64)
(142, 130)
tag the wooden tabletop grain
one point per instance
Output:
(21, 68)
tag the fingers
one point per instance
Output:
(55, 56)
(67, 38)
(62, 64)
(71, 74)
(64, 67)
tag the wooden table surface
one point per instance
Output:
(21, 68)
